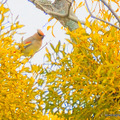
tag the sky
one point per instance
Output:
(34, 19)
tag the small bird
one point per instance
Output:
(33, 43)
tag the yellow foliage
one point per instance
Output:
(82, 85)
(17, 94)
(88, 78)
(15, 88)
(51, 117)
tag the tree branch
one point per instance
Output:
(112, 11)
(99, 18)
(61, 10)
(4, 1)
(40, 49)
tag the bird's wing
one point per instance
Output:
(27, 44)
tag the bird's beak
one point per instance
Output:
(43, 36)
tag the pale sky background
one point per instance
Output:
(34, 19)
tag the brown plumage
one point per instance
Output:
(33, 43)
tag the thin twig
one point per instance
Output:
(99, 18)
(112, 11)
(4, 2)
(40, 49)
(44, 46)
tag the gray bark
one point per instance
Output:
(61, 10)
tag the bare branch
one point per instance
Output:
(67, 14)
(4, 1)
(40, 49)
(61, 10)
(99, 18)
(112, 11)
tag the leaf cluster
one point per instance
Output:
(84, 84)
(16, 94)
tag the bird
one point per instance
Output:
(33, 43)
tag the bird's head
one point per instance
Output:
(40, 33)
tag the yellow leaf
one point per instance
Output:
(1, 8)
(6, 10)
(19, 26)
(52, 32)
(80, 4)
(12, 27)
(50, 19)
(48, 27)
(117, 10)
(2, 19)
(24, 61)
(98, 70)
(64, 45)
(2, 27)
(47, 50)
(52, 46)
(57, 47)
(69, 41)
(62, 27)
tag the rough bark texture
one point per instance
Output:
(61, 10)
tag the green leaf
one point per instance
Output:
(113, 31)
(48, 55)
(98, 70)
(63, 53)
(57, 47)
(85, 34)
(107, 33)
(69, 41)
(52, 46)
(40, 82)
